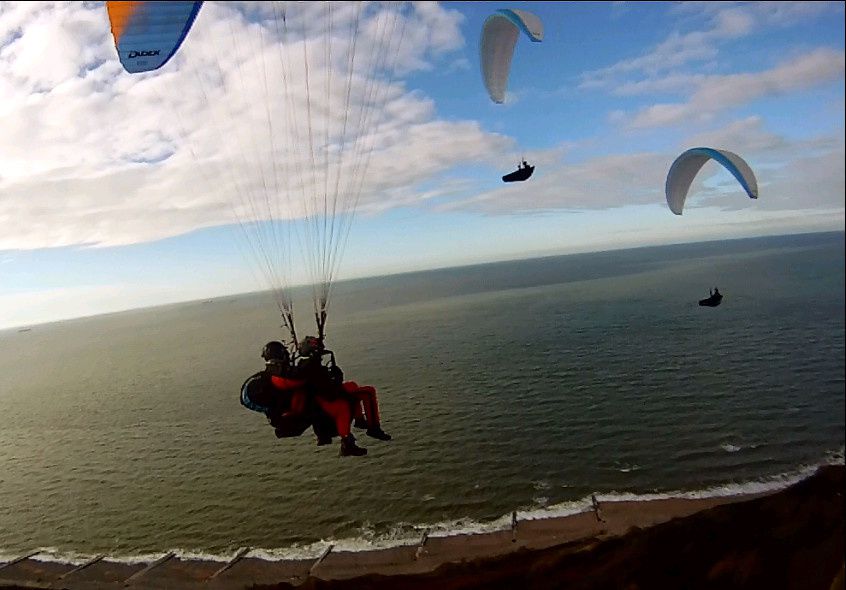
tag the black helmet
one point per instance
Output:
(309, 346)
(274, 351)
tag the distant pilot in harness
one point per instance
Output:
(524, 171)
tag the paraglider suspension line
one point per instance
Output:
(320, 318)
(288, 322)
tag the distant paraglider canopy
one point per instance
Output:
(687, 166)
(496, 48)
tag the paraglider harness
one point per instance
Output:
(246, 401)
(273, 352)
(713, 301)
(333, 372)
(523, 172)
(293, 426)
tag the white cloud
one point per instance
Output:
(717, 93)
(676, 50)
(441, 26)
(725, 21)
(677, 83)
(600, 183)
(93, 155)
(771, 13)
(52, 304)
(744, 135)
(792, 176)
(24, 308)
(807, 183)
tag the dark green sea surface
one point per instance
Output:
(523, 385)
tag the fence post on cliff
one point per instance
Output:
(514, 527)
(238, 556)
(19, 559)
(155, 564)
(85, 565)
(422, 544)
(321, 558)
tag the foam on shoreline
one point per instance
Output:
(405, 534)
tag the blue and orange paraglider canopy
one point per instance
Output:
(148, 34)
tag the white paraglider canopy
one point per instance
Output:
(687, 166)
(496, 48)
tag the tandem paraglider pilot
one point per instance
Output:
(311, 393)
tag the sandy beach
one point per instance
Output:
(788, 539)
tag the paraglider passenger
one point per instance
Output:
(365, 402)
(366, 409)
(324, 387)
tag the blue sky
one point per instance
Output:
(112, 192)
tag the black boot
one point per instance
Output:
(378, 433)
(349, 448)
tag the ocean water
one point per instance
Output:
(524, 385)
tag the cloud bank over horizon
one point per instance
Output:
(93, 156)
